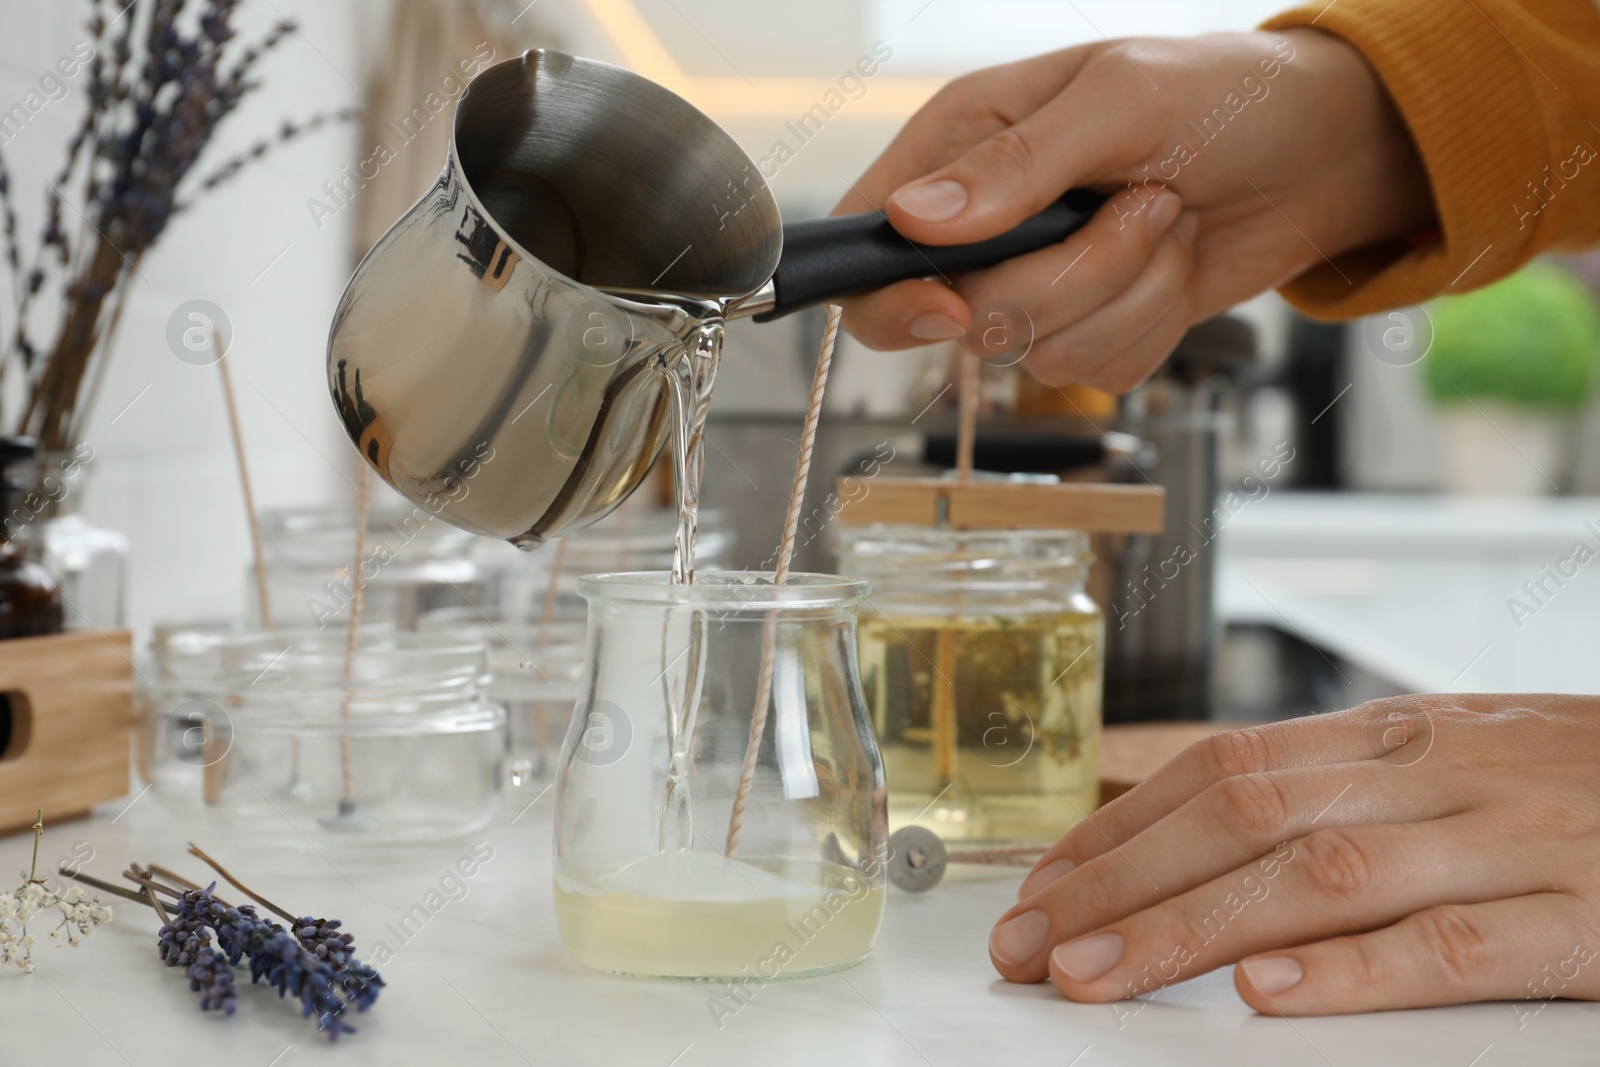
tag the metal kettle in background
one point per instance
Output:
(1160, 608)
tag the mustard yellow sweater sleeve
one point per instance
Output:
(1503, 100)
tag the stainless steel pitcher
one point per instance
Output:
(503, 355)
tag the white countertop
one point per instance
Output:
(1417, 588)
(486, 982)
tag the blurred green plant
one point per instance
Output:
(1530, 339)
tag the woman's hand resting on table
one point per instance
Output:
(1409, 852)
(1251, 156)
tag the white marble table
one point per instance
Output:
(485, 982)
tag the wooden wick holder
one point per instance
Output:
(989, 505)
(71, 699)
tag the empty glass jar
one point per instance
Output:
(537, 668)
(981, 656)
(646, 881)
(395, 743)
(413, 563)
(176, 701)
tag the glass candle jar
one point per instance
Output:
(413, 563)
(396, 743)
(175, 702)
(645, 879)
(981, 655)
(537, 668)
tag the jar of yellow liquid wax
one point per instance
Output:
(648, 878)
(981, 657)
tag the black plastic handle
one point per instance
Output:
(825, 259)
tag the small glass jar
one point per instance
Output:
(645, 879)
(396, 744)
(981, 656)
(413, 563)
(537, 668)
(89, 563)
(174, 704)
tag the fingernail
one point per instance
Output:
(1273, 974)
(933, 202)
(1043, 877)
(932, 326)
(1017, 941)
(1162, 214)
(1088, 958)
(1187, 227)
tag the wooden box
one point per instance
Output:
(71, 718)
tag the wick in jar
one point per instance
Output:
(945, 735)
(347, 819)
(769, 632)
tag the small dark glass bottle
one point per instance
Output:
(30, 603)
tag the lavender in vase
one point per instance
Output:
(159, 77)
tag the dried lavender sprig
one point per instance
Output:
(322, 937)
(275, 955)
(156, 91)
(186, 942)
(287, 132)
(212, 977)
(360, 981)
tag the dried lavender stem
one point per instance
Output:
(104, 887)
(194, 850)
(148, 895)
(769, 632)
(103, 344)
(171, 876)
(236, 431)
(151, 887)
(139, 876)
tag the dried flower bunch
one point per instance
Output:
(79, 915)
(311, 960)
(277, 956)
(159, 82)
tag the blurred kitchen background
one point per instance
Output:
(1349, 534)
